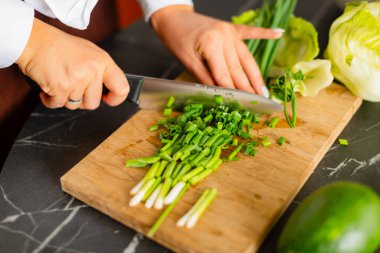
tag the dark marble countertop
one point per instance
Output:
(36, 216)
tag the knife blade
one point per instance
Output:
(152, 93)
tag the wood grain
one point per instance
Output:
(253, 192)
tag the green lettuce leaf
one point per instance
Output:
(317, 76)
(354, 49)
(300, 43)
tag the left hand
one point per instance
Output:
(212, 49)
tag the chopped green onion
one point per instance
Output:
(216, 164)
(235, 142)
(167, 112)
(163, 216)
(162, 167)
(142, 162)
(273, 122)
(140, 195)
(343, 142)
(234, 153)
(152, 170)
(218, 99)
(136, 163)
(192, 173)
(152, 198)
(170, 102)
(159, 204)
(182, 222)
(153, 128)
(137, 188)
(161, 122)
(169, 169)
(201, 208)
(266, 143)
(196, 179)
(151, 189)
(281, 140)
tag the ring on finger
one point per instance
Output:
(74, 101)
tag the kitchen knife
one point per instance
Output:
(153, 93)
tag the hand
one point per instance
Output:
(212, 49)
(70, 70)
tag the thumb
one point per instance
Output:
(249, 32)
(117, 84)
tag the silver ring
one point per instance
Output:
(74, 101)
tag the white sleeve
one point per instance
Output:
(74, 13)
(150, 6)
(16, 22)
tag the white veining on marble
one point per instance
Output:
(132, 246)
(28, 140)
(358, 165)
(374, 160)
(373, 126)
(73, 238)
(56, 230)
(43, 144)
(15, 207)
(32, 238)
(7, 223)
(69, 204)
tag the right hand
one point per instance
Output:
(71, 68)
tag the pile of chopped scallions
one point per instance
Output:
(194, 145)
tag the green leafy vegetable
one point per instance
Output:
(300, 43)
(354, 49)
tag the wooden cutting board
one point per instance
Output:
(252, 192)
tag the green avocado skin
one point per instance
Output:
(342, 217)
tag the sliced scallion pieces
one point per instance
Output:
(193, 146)
(192, 216)
(343, 142)
(281, 140)
(163, 216)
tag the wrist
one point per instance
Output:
(38, 30)
(160, 17)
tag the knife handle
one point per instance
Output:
(135, 86)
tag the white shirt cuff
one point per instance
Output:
(150, 6)
(16, 22)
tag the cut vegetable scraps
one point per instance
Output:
(192, 216)
(343, 142)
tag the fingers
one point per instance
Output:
(92, 95)
(250, 67)
(249, 32)
(75, 99)
(214, 55)
(235, 69)
(117, 84)
(196, 65)
(52, 101)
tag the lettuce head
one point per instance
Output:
(354, 49)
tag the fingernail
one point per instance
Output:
(278, 30)
(265, 91)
